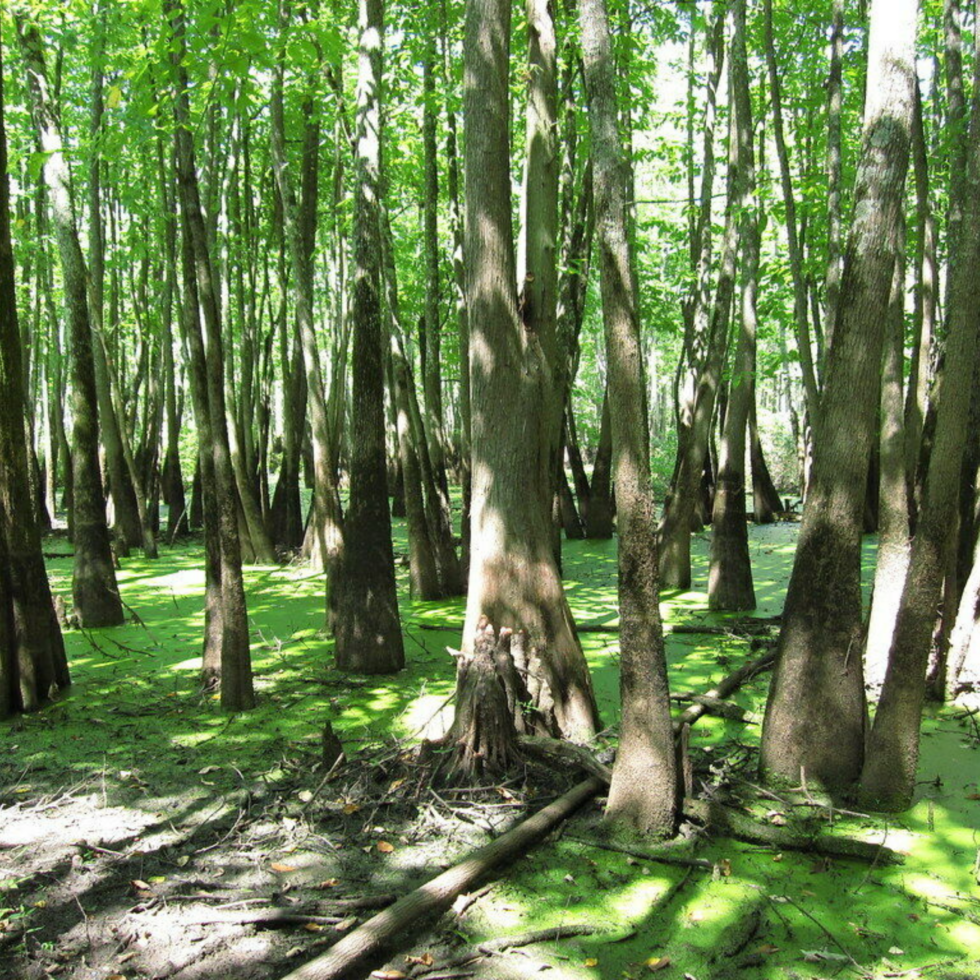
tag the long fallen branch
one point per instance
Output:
(737, 627)
(492, 946)
(437, 895)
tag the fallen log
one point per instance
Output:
(269, 918)
(375, 935)
(737, 627)
(726, 687)
(730, 823)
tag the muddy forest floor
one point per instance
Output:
(144, 834)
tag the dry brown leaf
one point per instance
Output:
(384, 847)
(140, 885)
(424, 960)
(281, 868)
(724, 867)
(767, 949)
(313, 927)
(350, 808)
(396, 784)
(657, 963)
(329, 883)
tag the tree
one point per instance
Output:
(32, 654)
(888, 777)
(816, 715)
(514, 581)
(643, 792)
(94, 586)
(367, 628)
(730, 578)
(235, 656)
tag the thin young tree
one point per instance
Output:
(237, 693)
(816, 714)
(643, 793)
(94, 587)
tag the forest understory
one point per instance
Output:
(146, 834)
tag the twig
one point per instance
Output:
(680, 861)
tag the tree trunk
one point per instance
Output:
(795, 247)
(514, 581)
(888, 778)
(765, 498)
(643, 792)
(236, 671)
(367, 628)
(32, 654)
(675, 529)
(730, 576)
(816, 715)
(126, 517)
(926, 296)
(94, 587)
(893, 505)
(599, 525)
(835, 224)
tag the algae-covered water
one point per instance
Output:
(134, 731)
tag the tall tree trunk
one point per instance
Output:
(124, 506)
(926, 296)
(32, 654)
(794, 245)
(367, 628)
(893, 504)
(236, 671)
(432, 369)
(730, 577)
(692, 451)
(514, 581)
(94, 587)
(325, 531)
(816, 714)
(888, 778)
(643, 792)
